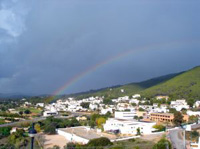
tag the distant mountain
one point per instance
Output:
(12, 96)
(185, 85)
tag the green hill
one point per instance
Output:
(185, 85)
(129, 89)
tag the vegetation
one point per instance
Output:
(133, 144)
(159, 127)
(50, 124)
(192, 135)
(185, 85)
(85, 104)
(18, 139)
(4, 132)
(129, 89)
(99, 142)
(193, 119)
(178, 118)
(98, 120)
(138, 131)
(163, 144)
(27, 111)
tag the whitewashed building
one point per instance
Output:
(125, 114)
(179, 105)
(128, 127)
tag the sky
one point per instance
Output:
(45, 44)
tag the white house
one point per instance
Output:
(128, 127)
(194, 113)
(196, 104)
(136, 96)
(50, 113)
(125, 114)
(179, 105)
(93, 106)
(40, 105)
(104, 111)
(136, 101)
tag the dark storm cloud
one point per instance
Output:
(45, 43)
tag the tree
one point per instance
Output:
(193, 119)
(138, 131)
(27, 111)
(108, 114)
(134, 104)
(99, 142)
(100, 121)
(194, 134)
(136, 117)
(178, 118)
(163, 144)
(50, 128)
(18, 139)
(172, 110)
(141, 109)
(4, 131)
(159, 127)
(21, 112)
(70, 145)
(37, 127)
(85, 105)
(107, 101)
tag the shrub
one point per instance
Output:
(99, 142)
(159, 127)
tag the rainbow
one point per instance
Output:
(91, 69)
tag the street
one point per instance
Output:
(177, 142)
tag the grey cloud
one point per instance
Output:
(50, 42)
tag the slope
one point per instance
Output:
(185, 85)
(128, 89)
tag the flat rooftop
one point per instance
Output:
(87, 133)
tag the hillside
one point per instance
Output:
(185, 85)
(129, 89)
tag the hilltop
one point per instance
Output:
(185, 85)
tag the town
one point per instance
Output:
(71, 122)
(99, 74)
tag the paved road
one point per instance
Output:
(41, 118)
(175, 139)
(19, 122)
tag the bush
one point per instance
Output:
(4, 131)
(159, 127)
(99, 142)
(70, 145)
(163, 144)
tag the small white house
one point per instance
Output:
(93, 106)
(196, 104)
(125, 114)
(136, 96)
(40, 105)
(50, 113)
